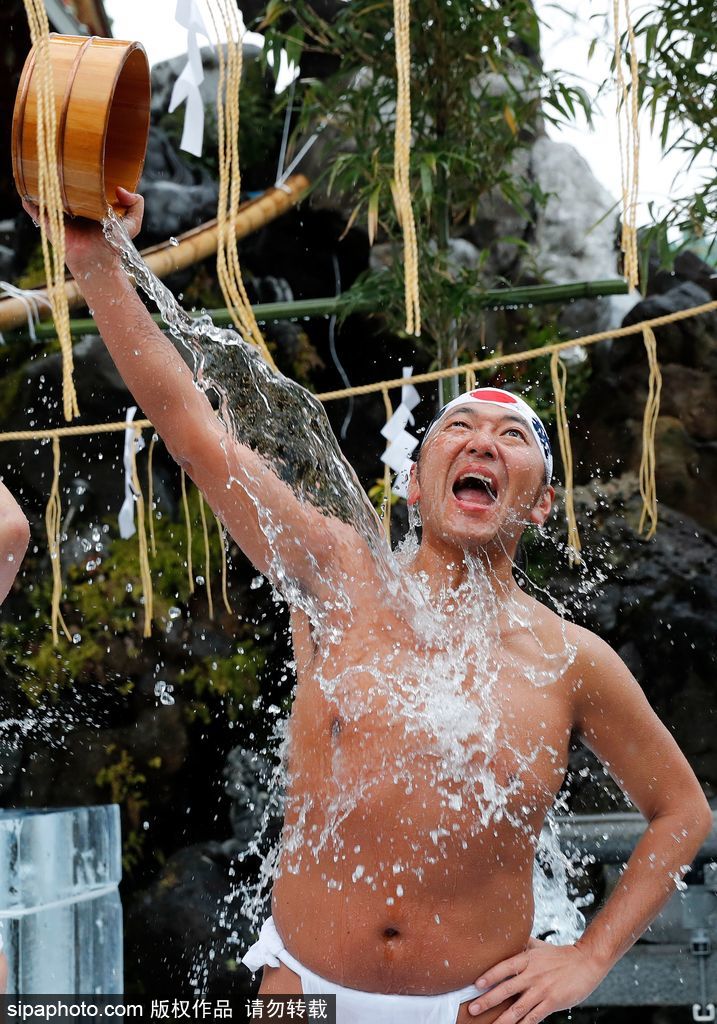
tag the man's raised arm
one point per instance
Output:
(290, 539)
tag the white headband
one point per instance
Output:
(517, 405)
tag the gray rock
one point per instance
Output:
(247, 774)
(662, 597)
(10, 762)
(693, 341)
(7, 262)
(188, 926)
(576, 234)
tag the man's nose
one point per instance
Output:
(481, 443)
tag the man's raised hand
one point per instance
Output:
(86, 247)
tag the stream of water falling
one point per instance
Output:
(437, 692)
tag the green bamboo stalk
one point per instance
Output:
(266, 312)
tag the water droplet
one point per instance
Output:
(174, 612)
(76, 638)
(164, 692)
(199, 581)
(173, 241)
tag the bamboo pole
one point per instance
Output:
(192, 246)
(265, 312)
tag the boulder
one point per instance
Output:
(177, 196)
(185, 932)
(656, 603)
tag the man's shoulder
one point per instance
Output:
(592, 662)
(589, 647)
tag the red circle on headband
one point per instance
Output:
(491, 395)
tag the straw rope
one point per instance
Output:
(228, 87)
(207, 564)
(648, 485)
(150, 494)
(51, 214)
(222, 544)
(53, 525)
(402, 164)
(628, 127)
(559, 375)
(387, 475)
(53, 521)
(188, 524)
(520, 357)
(144, 568)
(417, 378)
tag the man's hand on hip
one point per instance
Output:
(548, 977)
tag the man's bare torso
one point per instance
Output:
(389, 881)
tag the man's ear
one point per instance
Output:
(543, 505)
(414, 490)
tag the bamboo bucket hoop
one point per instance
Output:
(102, 94)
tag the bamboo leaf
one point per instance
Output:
(510, 120)
(274, 10)
(427, 183)
(373, 214)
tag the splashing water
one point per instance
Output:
(405, 729)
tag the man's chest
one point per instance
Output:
(439, 717)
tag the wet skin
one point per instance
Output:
(480, 885)
(480, 888)
(482, 894)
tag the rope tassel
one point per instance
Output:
(207, 556)
(648, 463)
(402, 164)
(559, 375)
(188, 525)
(387, 474)
(222, 544)
(144, 567)
(53, 524)
(228, 87)
(51, 214)
(628, 128)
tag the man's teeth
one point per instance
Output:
(472, 479)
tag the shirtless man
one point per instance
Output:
(14, 538)
(412, 907)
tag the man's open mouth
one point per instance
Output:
(475, 489)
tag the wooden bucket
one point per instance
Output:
(102, 94)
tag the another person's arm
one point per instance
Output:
(14, 538)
